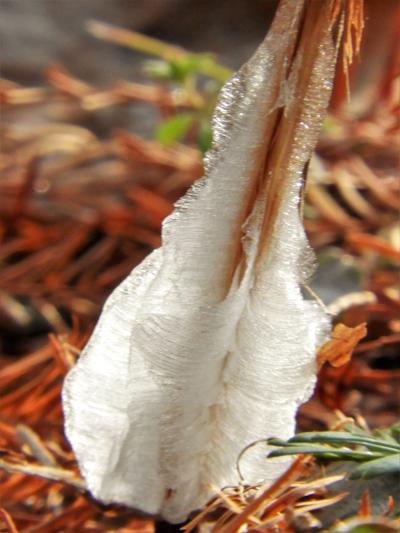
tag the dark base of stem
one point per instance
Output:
(166, 527)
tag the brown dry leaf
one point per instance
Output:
(364, 509)
(338, 350)
(8, 521)
(362, 242)
(353, 25)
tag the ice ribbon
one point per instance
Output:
(209, 345)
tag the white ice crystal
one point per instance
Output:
(209, 345)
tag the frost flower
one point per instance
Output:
(209, 345)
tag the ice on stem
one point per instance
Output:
(209, 345)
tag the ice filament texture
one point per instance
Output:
(209, 345)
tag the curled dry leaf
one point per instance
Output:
(209, 344)
(338, 350)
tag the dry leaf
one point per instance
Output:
(338, 350)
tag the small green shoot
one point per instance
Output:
(198, 76)
(378, 451)
(175, 128)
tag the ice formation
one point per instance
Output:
(209, 345)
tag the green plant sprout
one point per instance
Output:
(377, 451)
(198, 75)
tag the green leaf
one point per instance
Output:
(310, 449)
(342, 437)
(365, 525)
(209, 67)
(184, 67)
(177, 70)
(395, 432)
(386, 435)
(204, 137)
(362, 528)
(175, 128)
(324, 452)
(378, 467)
(273, 441)
(158, 69)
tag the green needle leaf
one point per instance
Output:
(342, 437)
(325, 452)
(378, 467)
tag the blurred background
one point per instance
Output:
(37, 33)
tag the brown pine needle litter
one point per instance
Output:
(81, 208)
